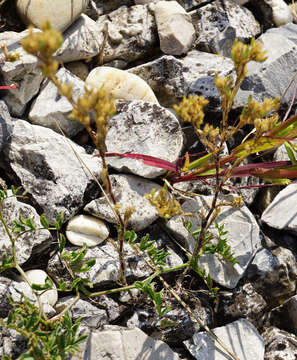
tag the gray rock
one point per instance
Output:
(172, 78)
(279, 344)
(143, 128)
(32, 242)
(175, 29)
(50, 108)
(24, 72)
(49, 170)
(131, 33)
(128, 190)
(281, 213)
(240, 336)
(218, 24)
(5, 124)
(82, 40)
(115, 342)
(91, 316)
(243, 237)
(285, 315)
(271, 77)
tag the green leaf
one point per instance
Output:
(59, 221)
(44, 221)
(62, 242)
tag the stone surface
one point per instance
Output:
(60, 14)
(281, 213)
(279, 344)
(50, 108)
(243, 237)
(172, 78)
(240, 336)
(24, 72)
(91, 316)
(38, 277)
(143, 128)
(120, 84)
(84, 229)
(49, 170)
(175, 29)
(272, 12)
(219, 23)
(78, 68)
(131, 33)
(28, 244)
(128, 190)
(5, 124)
(285, 315)
(82, 40)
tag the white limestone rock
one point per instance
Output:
(84, 229)
(120, 84)
(49, 170)
(38, 277)
(24, 72)
(120, 343)
(61, 14)
(175, 28)
(50, 108)
(5, 124)
(241, 337)
(143, 128)
(82, 40)
(281, 12)
(280, 344)
(28, 244)
(128, 190)
(243, 237)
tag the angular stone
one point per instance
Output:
(79, 69)
(241, 337)
(175, 28)
(273, 12)
(285, 315)
(60, 14)
(243, 237)
(50, 108)
(120, 84)
(279, 344)
(143, 128)
(5, 124)
(218, 24)
(131, 33)
(281, 213)
(84, 229)
(120, 343)
(24, 72)
(82, 40)
(32, 242)
(50, 171)
(128, 190)
(172, 78)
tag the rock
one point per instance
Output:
(281, 213)
(171, 79)
(285, 315)
(5, 124)
(271, 77)
(114, 341)
(49, 170)
(175, 28)
(243, 237)
(84, 229)
(112, 5)
(128, 191)
(120, 84)
(241, 337)
(24, 72)
(60, 15)
(274, 274)
(250, 305)
(28, 244)
(82, 40)
(78, 68)
(143, 128)
(38, 277)
(272, 12)
(279, 344)
(91, 316)
(50, 108)
(131, 33)
(218, 24)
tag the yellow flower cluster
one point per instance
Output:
(242, 53)
(165, 204)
